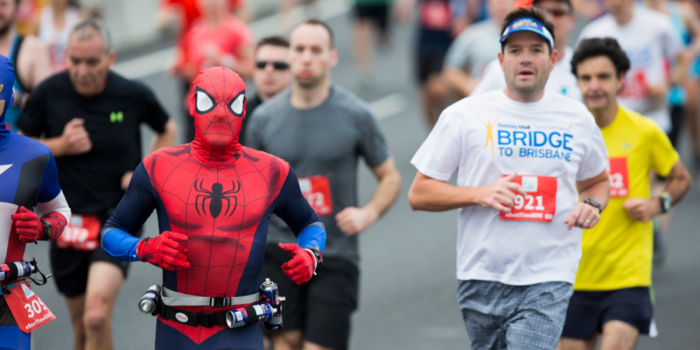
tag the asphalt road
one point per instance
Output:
(408, 286)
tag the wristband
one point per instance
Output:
(594, 203)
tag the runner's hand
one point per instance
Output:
(353, 220)
(642, 209)
(500, 194)
(29, 227)
(583, 216)
(164, 251)
(302, 266)
(76, 139)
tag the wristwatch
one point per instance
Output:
(317, 254)
(594, 203)
(48, 230)
(666, 202)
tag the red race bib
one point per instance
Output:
(435, 15)
(539, 204)
(619, 177)
(83, 233)
(29, 311)
(317, 190)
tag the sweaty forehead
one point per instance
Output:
(525, 38)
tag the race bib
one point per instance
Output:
(29, 311)
(317, 190)
(83, 233)
(619, 179)
(636, 86)
(435, 15)
(539, 204)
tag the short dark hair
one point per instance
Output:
(274, 40)
(567, 2)
(318, 22)
(595, 47)
(532, 12)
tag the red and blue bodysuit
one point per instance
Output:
(214, 199)
(32, 205)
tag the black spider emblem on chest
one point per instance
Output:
(217, 197)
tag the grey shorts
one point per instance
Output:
(501, 316)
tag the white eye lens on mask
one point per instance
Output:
(236, 106)
(203, 102)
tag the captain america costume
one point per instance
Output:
(213, 199)
(29, 183)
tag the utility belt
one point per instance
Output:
(266, 308)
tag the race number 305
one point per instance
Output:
(539, 203)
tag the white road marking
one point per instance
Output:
(156, 62)
(388, 106)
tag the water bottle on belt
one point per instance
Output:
(13, 271)
(150, 301)
(269, 294)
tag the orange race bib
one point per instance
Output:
(539, 204)
(29, 311)
(317, 190)
(619, 177)
(83, 233)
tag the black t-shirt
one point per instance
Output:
(91, 181)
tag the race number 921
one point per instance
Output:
(539, 202)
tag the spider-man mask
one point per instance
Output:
(217, 104)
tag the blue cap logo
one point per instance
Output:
(530, 25)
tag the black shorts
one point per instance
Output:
(589, 311)
(677, 119)
(429, 63)
(321, 308)
(377, 14)
(70, 268)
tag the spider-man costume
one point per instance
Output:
(214, 199)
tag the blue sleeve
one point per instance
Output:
(120, 245)
(313, 235)
(292, 207)
(131, 213)
(49, 187)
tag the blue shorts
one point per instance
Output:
(589, 311)
(501, 316)
(11, 338)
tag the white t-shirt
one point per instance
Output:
(567, 146)
(561, 80)
(651, 45)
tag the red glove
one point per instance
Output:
(164, 251)
(29, 227)
(302, 266)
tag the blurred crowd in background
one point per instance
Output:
(215, 32)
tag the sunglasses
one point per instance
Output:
(558, 12)
(275, 65)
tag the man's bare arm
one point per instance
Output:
(167, 138)
(353, 220)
